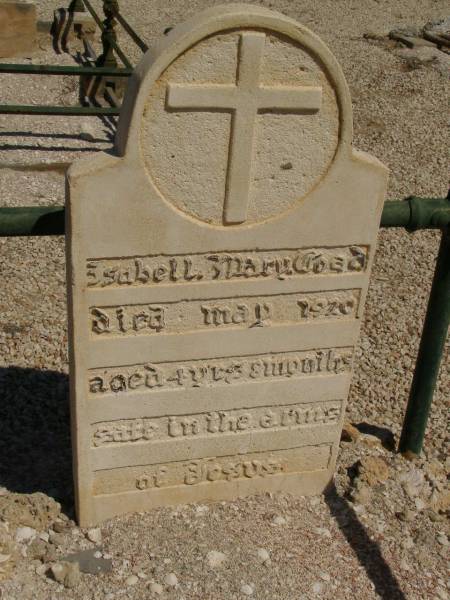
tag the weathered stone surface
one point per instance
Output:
(68, 574)
(8, 552)
(218, 268)
(17, 28)
(29, 510)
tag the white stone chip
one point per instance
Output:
(95, 535)
(25, 534)
(156, 588)
(171, 580)
(317, 587)
(215, 558)
(131, 580)
(247, 589)
(263, 555)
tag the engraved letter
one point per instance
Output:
(92, 274)
(241, 314)
(142, 271)
(100, 321)
(194, 473)
(357, 263)
(96, 385)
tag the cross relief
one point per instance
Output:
(245, 100)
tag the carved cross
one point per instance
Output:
(244, 100)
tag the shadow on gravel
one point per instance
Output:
(384, 434)
(367, 551)
(56, 136)
(35, 433)
(47, 148)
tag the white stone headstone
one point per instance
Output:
(218, 269)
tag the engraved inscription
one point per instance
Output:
(225, 266)
(199, 471)
(256, 315)
(214, 372)
(217, 423)
(249, 466)
(245, 312)
(327, 306)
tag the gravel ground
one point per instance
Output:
(381, 531)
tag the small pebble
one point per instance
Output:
(247, 589)
(201, 509)
(263, 555)
(215, 558)
(171, 580)
(131, 580)
(442, 539)
(407, 515)
(24, 534)
(279, 520)
(87, 133)
(59, 526)
(420, 504)
(97, 554)
(41, 569)
(94, 535)
(404, 565)
(323, 531)
(317, 587)
(156, 588)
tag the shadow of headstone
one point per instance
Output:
(366, 550)
(35, 433)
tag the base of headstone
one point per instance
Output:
(17, 28)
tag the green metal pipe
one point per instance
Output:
(416, 213)
(31, 220)
(431, 349)
(60, 70)
(75, 111)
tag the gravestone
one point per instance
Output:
(17, 28)
(218, 268)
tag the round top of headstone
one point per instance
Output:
(236, 116)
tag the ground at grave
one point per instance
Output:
(382, 530)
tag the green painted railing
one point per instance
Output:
(412, 214)
(105, 65)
